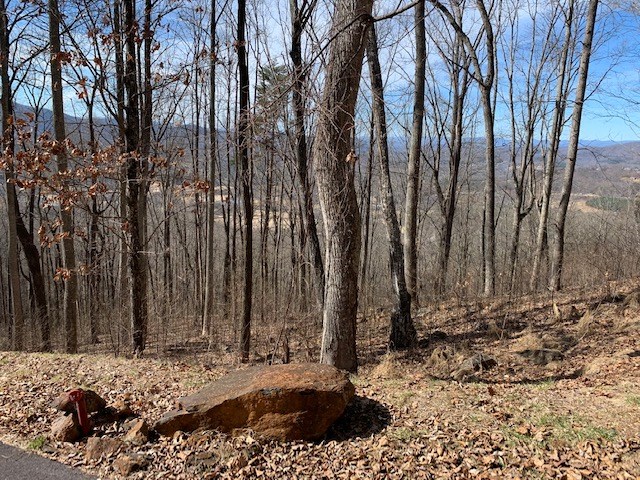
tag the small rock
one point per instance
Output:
(441, 354)
(138, 434)
(441, 361)
(574, 313)
(101, 447)
(117, 411)
(108, 415)
(128, 463)
(122, 409)
(129, 424)
(203, 456)
(477, 363)
(66, 428)
(93, 401)
(464, 375)
(204, 459)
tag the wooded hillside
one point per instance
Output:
(246, 175)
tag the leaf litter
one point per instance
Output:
(574, 418)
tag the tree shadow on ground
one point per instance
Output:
(530, 380)
(362, 418)
(571, 375)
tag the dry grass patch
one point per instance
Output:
(586, 325)
(628, 322)
(389, 368)
(446, 359)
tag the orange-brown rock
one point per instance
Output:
(126, 464)
(285, 402)
(101, 447)
(122, 409)
(138, 433)
(66, 428)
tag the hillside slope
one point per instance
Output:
(574, 413)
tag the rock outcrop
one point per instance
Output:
(284, 402)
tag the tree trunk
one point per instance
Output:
(17, 324)
(448, 200)
(486, 87)
(94, 266)
(137, 287)
(299, 19)
(69, 258)
(32, 255)
(413, 166)
(211, 194)
(5, 323)
(246, 179)
(365, 207)
(572, 150)
(143, 166)
(8, 147)
(554, 142)
(167, 270)
(403, 332)
(489, 231)
(123, 261)
(334, 160)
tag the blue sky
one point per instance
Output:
(609, 114)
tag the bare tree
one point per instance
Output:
(24, 232)
(7, 149)
(70, 275)
(403, 332)
(526, 115)
(485, 78)
(211, 194)
(447, 123)
(246, 179)
(334, 159)
(572, 149)
(555, 130)
(300, 15)
(415, 150)
(138, 286)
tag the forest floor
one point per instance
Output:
(572, 415)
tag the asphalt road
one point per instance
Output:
(16, 464)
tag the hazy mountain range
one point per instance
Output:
(604, 166)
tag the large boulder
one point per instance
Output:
(285, 402)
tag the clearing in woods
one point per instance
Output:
(563, 400)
